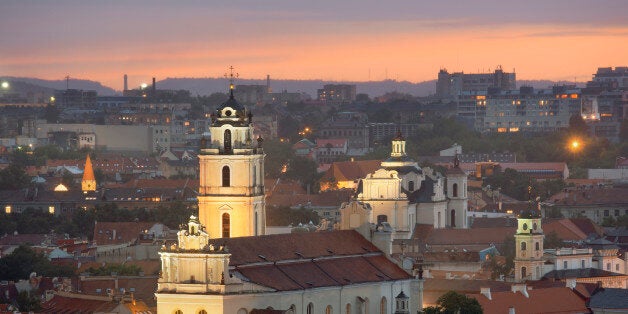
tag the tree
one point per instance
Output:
(24, 260)
(453, 302)
(552, 241)
(13, 177)
(577, 126)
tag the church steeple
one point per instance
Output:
(529, 243)
(231, 189)
(89, 180)
(398, 146)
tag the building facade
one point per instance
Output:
(231, 188)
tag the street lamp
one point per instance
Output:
(5, 85)
(575, 145)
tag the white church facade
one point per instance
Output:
(402, 194)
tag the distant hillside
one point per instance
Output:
(61, 84)
(206, 86)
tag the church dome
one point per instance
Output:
(231, 112)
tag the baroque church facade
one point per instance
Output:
(223, 263)
(402, 194)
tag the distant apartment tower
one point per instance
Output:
(75, 98)
(525, 109)
(337, 93)
(452, 85)
(610, 78)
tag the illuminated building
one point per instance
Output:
(529, 260)
(231, 188)
(526, 109)
(88, 183)
(317, 272)
(337, 93)
(403, 194)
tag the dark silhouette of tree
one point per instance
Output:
(453, 302)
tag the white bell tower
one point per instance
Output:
(231, 188)
(529, 245)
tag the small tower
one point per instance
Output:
(231, 186)
(529, 244)
(88, 184)
(401, 304)
(457, 205)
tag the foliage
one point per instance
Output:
(28, 302)
(508, 251)
(24, 260)
(120, 269)
(13, 177)
(621, 221)
(515, 184)
(453, 302)
(283, 216)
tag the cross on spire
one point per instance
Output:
(231, 76)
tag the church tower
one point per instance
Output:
(231, 188)
(457, 196)
(529, 245)
(88, 184)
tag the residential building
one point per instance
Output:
(451, 85)
(352, 126)
(337, 93)
(596, 204)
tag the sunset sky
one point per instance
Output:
(357, 40)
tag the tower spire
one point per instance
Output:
(89, 180)
(231, 76)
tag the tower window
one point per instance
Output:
(565, 265)
(537, 246)
(523, 272)
(523, 246)
(226, 225)
(411, 186)
(227, 141)
(453, 218)
(226, 176)
(455, 190)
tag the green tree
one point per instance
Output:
(28, 302)
(24, 260)
(13, 177)
(577, 126)
(453, 302)
(552, 241)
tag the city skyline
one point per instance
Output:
(351, 40)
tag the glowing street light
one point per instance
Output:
(575, 144)
(5, 85)
(144, 85)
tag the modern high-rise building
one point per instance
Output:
(337, 93)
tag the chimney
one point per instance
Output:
(154, 86)
(520, 288)
(570, 283)
(511, 310)
(268, 90)
(486, 292)
(126, 82)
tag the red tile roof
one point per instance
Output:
(549, 300)
(351, 170)
(591, 197)
(307, 260)
(106, 233)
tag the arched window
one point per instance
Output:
(178, 312)
(455, 190)
(226, 176)
(329, 310)
(226, 225)
(537, 246)
(453, 218)
(202, 312)
(227, 141)
(382, 306)
(523, 246)
(523, 272)
(310, 308)
(348, 311)
(411, 186)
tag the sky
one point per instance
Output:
(350, 40)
